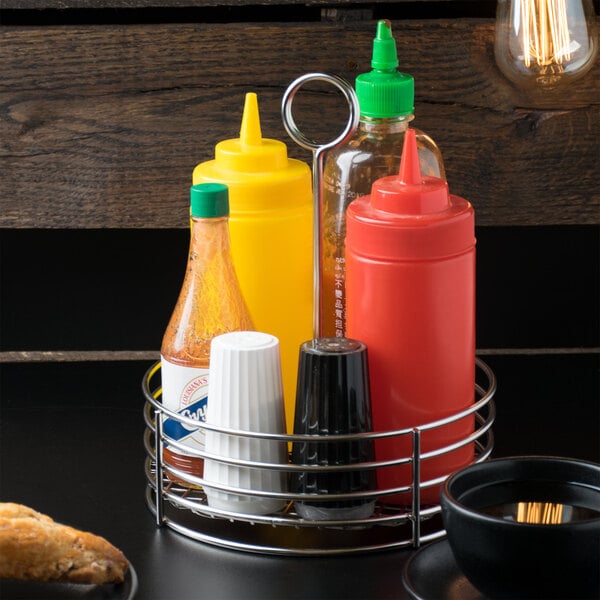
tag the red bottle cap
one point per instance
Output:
(409, 192)
(409, 215)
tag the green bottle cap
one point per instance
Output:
(209, 200)
(384, 92)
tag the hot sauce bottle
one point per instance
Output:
(410, 251)
(386, 99)
(210, 303)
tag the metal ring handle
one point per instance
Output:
(288, 118)
(318, 152)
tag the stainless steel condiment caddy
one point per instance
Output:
(185, 509)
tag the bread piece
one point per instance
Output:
(34, 547)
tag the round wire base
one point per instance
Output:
(178, 500)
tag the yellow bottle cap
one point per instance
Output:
(250, 152)
(256, 169)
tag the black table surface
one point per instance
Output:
(71, 447)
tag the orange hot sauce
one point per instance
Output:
(210, 303)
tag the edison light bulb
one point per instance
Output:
(545, 43)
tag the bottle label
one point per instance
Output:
(184, 391)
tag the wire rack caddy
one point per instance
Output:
(178, 501)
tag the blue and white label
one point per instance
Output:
(184, 391)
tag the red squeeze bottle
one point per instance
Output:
(410, 280)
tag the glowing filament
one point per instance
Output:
(546, 38)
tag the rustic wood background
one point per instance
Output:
(106, 122)
(106, 107)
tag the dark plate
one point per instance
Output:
(432, 574)
(41, 590)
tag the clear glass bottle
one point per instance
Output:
(210, 303)
(386, 99)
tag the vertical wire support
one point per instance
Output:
(416, 487)
(159, 443)
(317, 177)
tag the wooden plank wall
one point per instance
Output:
(105, 110)
(93, 117)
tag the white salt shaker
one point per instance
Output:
(245, 393)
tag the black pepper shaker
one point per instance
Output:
(333, 398)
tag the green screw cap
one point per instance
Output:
(209, 200)
(384, 92)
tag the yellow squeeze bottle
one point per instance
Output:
(270, 226)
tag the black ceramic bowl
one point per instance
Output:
(483, 506)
